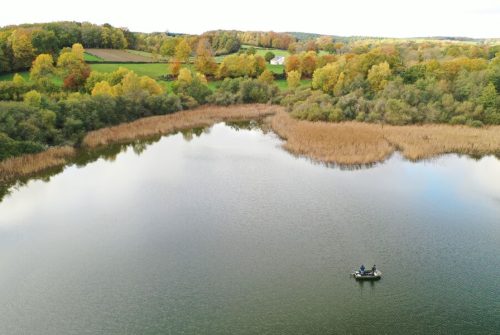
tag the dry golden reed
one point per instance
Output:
(351, 143)
(30, 164)
(156, 125)
(419, 142)
(348, 143)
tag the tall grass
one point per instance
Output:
(340, 143)
(201, 117)
(33, 163)
(351, 143)
(419, 142)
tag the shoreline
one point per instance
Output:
(344, 144)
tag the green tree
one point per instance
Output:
(168, 46)
(269, 56)
(45, 42)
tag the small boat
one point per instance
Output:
(367, 275)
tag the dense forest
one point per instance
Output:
(327, 79)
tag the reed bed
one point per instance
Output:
(346, 143)
(158, 125)
(26, 165)
(354, 143)
(420, 142)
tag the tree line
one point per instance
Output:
(19, 45)
(399, 84)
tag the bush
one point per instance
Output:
(193, 85)
(252, 90)
(163, 104)
(459, 119)
(240, 90)
(475, 124)
(316, 107)
(11, 148)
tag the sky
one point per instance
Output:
(385, 18)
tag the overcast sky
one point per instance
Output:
(389, 18)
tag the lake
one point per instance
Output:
(221, 231)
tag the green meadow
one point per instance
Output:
(153, 70)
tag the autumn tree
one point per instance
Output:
(267, 77)
(73, 69)
(150, 85)
(241, 65)
(205, 61)
(22, 49)
(308, 63)
(293, 79)
(43, 66)
(33, 98)
(131, 87)
(379, 75)
(185, 76)
(78, 51)
(175, 67)
(192, 85)
(183, 51)
(103, 88)
(292, 63)
(326, 78)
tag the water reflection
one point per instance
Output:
(228, 233)
(111, 152)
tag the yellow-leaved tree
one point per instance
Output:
(103, 88)
(205, 61)
(183, 51)
(43, 66)
(326, 78)
(267, 77)
(33, 98)
(78, 51)
(293, 79)
(378, 76)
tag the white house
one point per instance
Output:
(278, 60)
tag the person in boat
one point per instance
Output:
(374, 268)
(362, 269)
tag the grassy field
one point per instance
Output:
(115, 55)
(91, 58)
(262, 51)
(154, 70)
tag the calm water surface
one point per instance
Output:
(223, 232)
